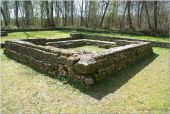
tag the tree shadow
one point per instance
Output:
(27, 35)
(117, 79)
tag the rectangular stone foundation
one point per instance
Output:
(53, 56)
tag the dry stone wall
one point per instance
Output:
(109, 38)
(43, 55)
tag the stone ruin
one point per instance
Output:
(57, 58)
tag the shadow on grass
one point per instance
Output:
(117, 79)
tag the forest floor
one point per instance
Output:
(55, 34)
(143, 87)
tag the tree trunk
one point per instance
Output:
(4, 17)
(42, 11)
(155, 14)
(16, 13)
(147, 13)
(65, 17)
(107, 4)
(81, 17)
(129, 15)
(51, 14)
(72, 12)
(140, 16)
(7, 11)
(121, 23)
(47, 13)
(138, 20)
(27, 6)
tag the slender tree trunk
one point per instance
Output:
(121, 23)
(4, 17)
(81, 17)
(140, 16)
(129, 15)
(52, 16)
(16, 13)
(27, 6)
(155, 14)
(72, 12)
(47, 13)
(107, 4)
(65, 17)
(57, 12)
(147, 13)
(138, 20)
(42, 11)
(7, 11)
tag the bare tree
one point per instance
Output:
(4, 16)
(129, 15)
(107, 4)
(72, 12)
(155, 13)
(147, 13)
(16, 13)
(51, 14)
(28, 12)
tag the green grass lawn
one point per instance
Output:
(141, 37)
(58, 34)
(142, 87)
(88, 48)
(35, 34)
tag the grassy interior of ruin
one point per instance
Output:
(87, 48)
(138, 88)
(58, 34)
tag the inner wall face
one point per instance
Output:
(58, 57)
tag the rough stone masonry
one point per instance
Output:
(50, 56)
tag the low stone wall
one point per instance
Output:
(109, 38)
(88, 68)
(100, 65)
(48, 60)
(2, 44)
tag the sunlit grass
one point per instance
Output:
(141, 37)
(88, 48)
(35, 34)
(58, 34)
(142, 87)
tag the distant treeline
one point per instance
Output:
(147, 16)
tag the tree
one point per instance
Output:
(147, 13)
(81, 15)
(5, 13)
(129, 15)
(107, 4)
(155, 13)
(51, 14)
(72, 12)
(16, 13)
(4, 16)
(28, 12)
(65, 9)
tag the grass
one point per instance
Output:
(88, 48)
(35, 34)
(58, 34)
(141, 37)
(142, 87)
